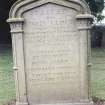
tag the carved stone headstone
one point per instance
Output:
(51, 51)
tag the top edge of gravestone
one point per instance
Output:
(18, 8)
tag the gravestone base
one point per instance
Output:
(75, 103)
(18, 103)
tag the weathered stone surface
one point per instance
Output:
(51, 51)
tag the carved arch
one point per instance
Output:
(22, 6)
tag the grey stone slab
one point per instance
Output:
(51, 51)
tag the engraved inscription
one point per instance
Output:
(51, 41)
(59, 77)
(51, 46)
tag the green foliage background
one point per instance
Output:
(96, 7)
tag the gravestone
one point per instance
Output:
(51, 51)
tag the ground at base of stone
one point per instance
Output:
(96, 101)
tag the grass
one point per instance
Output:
(7, 87)
(98, 73)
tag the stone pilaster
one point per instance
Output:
(16, 25)
(84, 22)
